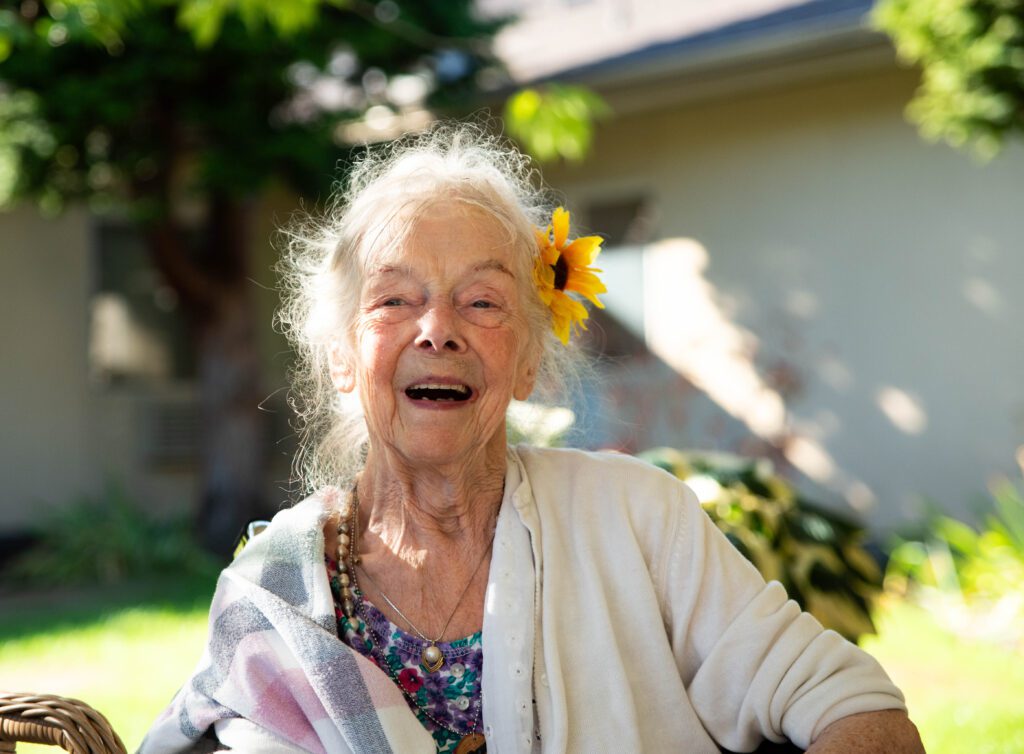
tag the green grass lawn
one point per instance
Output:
(126, 651)
(965, 696)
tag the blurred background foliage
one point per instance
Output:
(145, 100)
(555, 121)
(119, 92)
(107, 539)
(970, 578)
(971, 54)
(538, 424)
(817, 555)
(180, 114)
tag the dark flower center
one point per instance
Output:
(561, 268)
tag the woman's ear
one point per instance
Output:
(524, 388)
(341, 371)
(526, 377)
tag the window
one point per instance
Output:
(626, 226)
(136, 330)
(624, 222)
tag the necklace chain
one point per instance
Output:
(353, 527)
(347, 535)
(412, 625)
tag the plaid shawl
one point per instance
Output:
(273, 655)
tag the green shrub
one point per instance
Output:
(971, 579)
(817, 555)
(106, 539)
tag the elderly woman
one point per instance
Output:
(441, 591)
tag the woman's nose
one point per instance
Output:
(439, 330)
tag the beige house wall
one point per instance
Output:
(823, 240)
(45, 447)
(878, 274)
(65, 434)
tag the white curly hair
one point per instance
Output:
(321, 272)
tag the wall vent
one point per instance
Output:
(170, 432)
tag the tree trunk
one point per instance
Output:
(216, 295)
(234, 433)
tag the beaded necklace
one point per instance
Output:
(354, 608)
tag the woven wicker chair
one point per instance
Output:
(73, 725)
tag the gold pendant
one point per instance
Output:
(472, 743)
(432, 658)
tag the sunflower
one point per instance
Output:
(561, 268)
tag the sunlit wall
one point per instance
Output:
(845, 290)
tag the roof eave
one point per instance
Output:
(814, 40)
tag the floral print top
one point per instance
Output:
(444, 701)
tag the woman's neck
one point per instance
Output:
(429, 512)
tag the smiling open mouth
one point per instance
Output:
(434, 392)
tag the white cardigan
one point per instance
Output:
(616, 618)
(644, 628)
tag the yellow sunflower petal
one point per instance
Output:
(561, 319)
(583, 251)
(586, 283)
(580, 313)
(561, 327)
(566, 313)
(550, 255)
(544, 279)
(544, 275)
(560, 222)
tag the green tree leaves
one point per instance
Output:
(205, 18)
(971, 54)
(555, 121)
(21, 131)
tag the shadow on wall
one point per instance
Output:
(860, 377)
(689, 346)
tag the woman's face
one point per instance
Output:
(441, 340)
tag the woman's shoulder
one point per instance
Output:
(292, 534)
(607, 505)
(286, 560)
(579, 483)
(307, 514)
(575, 466)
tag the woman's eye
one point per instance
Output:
(482, 305)
(392, 302)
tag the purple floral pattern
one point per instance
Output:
(450, 696)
